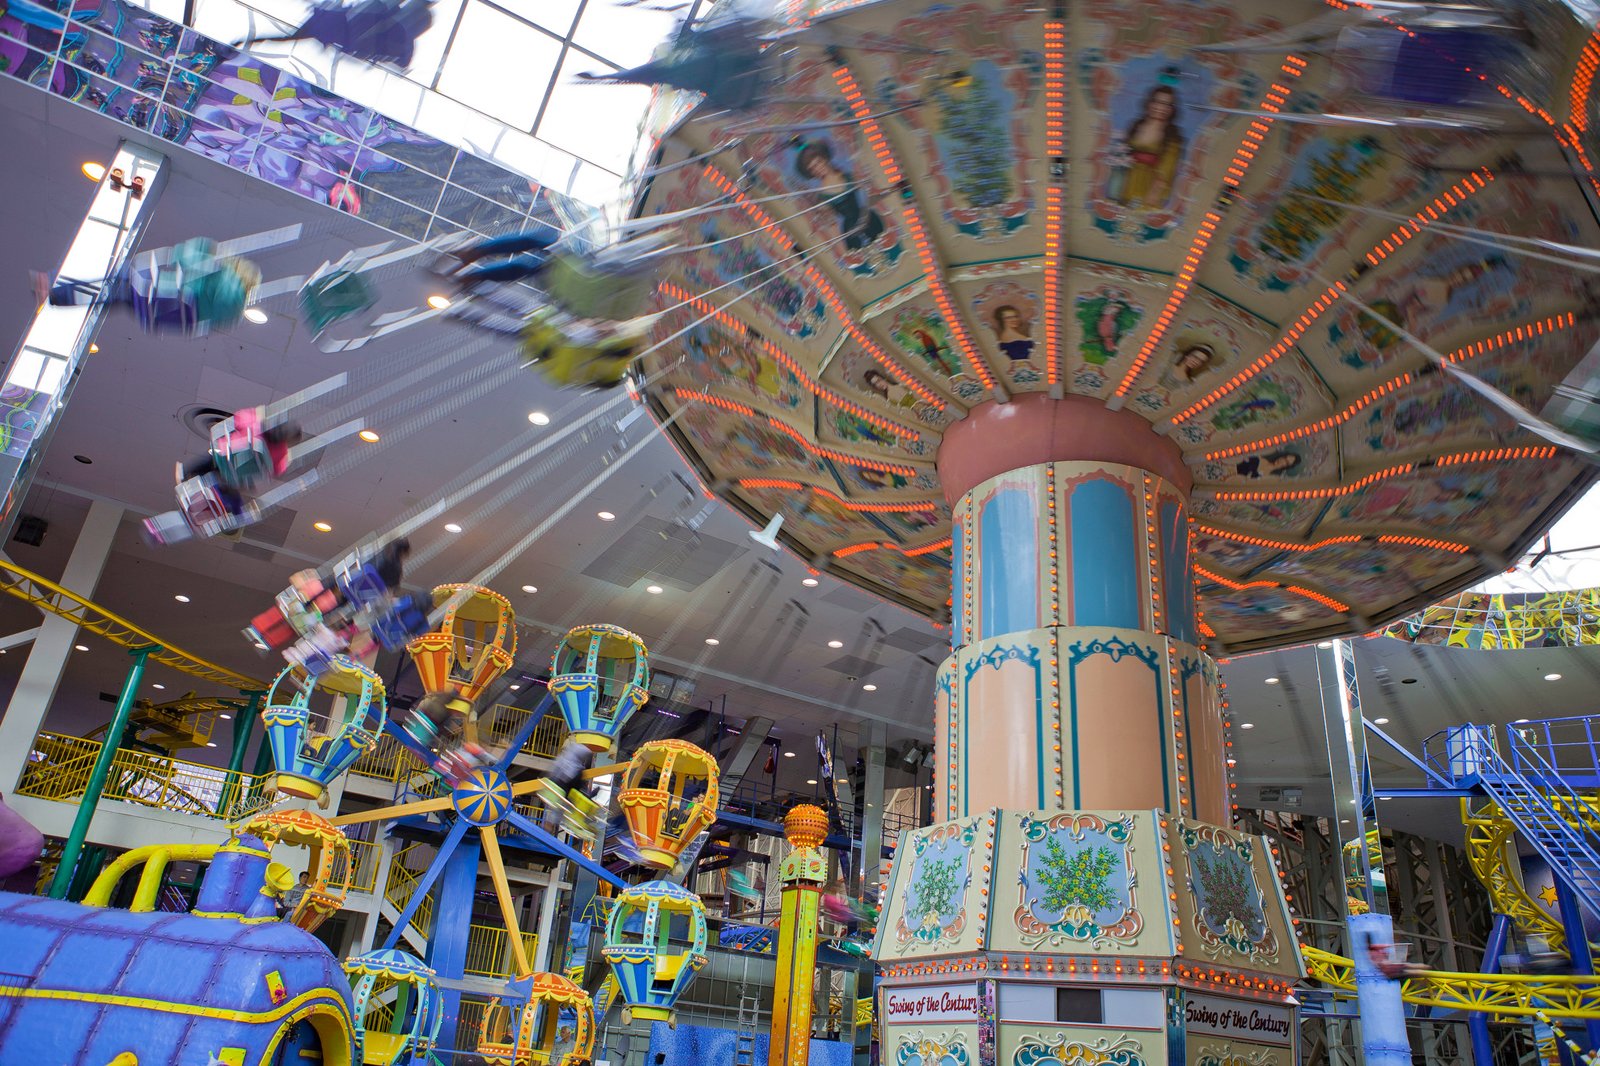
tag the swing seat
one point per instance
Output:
(568, 351)
(395, 628)
(361, 585)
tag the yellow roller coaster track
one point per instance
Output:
(1507, 995)
(48, 596)
(1489, 839)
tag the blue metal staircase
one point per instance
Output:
(1537, 783)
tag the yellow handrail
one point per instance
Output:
(488, 953)
(86, 614)
(402, 884)
(154, 858)
(1503, 994)
(139, 777)
(361, 863)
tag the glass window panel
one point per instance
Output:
(553, 15)
(598, 123)
(26, 369)
(624, 35)
(429, 51)
(50, 375)
(226, 20)
(594, 186)
(499, 65)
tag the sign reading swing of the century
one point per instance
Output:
(931, 1003)
(1262, 1023)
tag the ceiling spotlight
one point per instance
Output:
(452, 527)
(835, 643)
(538, 418)
(515, 687)
(255, 315)
(605, 516)
(158, 686)
(1272, 681)
(368, 435)
(1380, 721)
(654, 590)
(1518, 721)
(438, 303)
(322, 527)
(713, 641)
(181, 598)
(530, 588)
(869, 688)
(809, 582)
(1325, 644)
(1552, 677)
(94, 171)
(211, 743)
(80, 647)
(811, 780)
(94, 349)
(1247, 725)
(788, 755)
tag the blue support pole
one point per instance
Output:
(1478, 1021)
(452, 919)
(1383, 1012)
(1571, 912)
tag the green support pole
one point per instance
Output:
(102, 768)
(244, 724)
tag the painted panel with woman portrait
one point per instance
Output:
(1309, 457)
(1007, 316)
(1199, 354)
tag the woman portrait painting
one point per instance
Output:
(1011, 331)
(859, 225)
(1147, 156)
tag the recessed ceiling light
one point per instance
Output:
(1386, 797)
(1247, 725)
(713, 641)
(1325, 644)
(605, 516)
(809, 582)
(1272, 681)
(811, 780)
(1344, 821)
(211, 743)
(84, 459)
(1518, 721)
(94, 171)
(515, 687)
(1552, 677)
(452, 527)
(1380, 721)
(869, 688)
(654, 590)
(835, 643)
(530, 588)
(369, 435)
(322, 527)
(158, 686)
(788, 755)
(80, 647)
(1408, 681)
(438, 303)
(255, 315)
(538, 418)
(181, 598)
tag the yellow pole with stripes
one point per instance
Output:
(803, 873)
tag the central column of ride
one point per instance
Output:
(1077, 680)
(1084, 899)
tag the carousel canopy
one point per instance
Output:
(1248, 226)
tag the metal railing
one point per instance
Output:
(489, 950)
(1566, 746)
(402, 884)
(60, 767)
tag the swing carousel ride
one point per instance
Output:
(1324, 264)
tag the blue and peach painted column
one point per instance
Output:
(1076, 679)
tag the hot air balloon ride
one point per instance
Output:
(404, 1030)
(669, 795)
(600, 675)
(311, 748)
(655, 943)
(328, 863)
(554, 1027)
(475, 643)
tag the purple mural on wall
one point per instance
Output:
(214, 100)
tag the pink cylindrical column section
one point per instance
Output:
(1076, 680)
